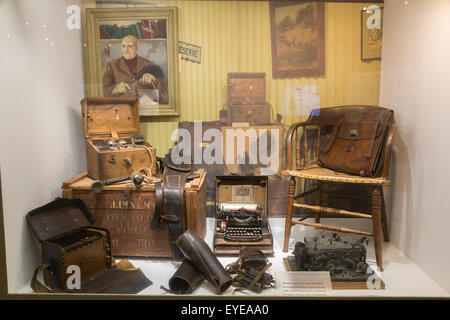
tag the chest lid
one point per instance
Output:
(237, 190)
(246, 88)
(59, 217)
(110, 117)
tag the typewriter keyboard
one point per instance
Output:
(243, 233)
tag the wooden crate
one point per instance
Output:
(253, 114)
(128, 216)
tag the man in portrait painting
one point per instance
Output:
(131, 74)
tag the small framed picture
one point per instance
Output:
(371, 33)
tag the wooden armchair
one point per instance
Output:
(305, 142)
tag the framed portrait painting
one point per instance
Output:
(298, 40)
(132, 52)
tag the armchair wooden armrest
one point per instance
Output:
(388, 151)
(293, 133)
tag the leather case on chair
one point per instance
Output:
(68, 240)
(357, 141)
(110, 128)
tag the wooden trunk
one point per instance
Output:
(128, 216)
(246, 98)
(114, 121)
(224, 194)
(253, 114)
(246, 88)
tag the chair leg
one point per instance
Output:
(318, 199)
(384, 218)
(377, 225)
(290, 205)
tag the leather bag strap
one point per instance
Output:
(159, 198)
(174, 207)
(333, 135)
(39, 287)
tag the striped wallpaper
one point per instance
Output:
(235, 37)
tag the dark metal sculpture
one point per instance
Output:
(344, 258)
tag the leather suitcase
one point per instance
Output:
(109, 126)
(246, 88)
(242, 190)
(127, 212)
(357, 141)
(67, 237)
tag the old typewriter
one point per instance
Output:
(241, 221)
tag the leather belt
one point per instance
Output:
(174, 207)
(170, 203)
(159, 196)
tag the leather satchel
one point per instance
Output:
(357, 142)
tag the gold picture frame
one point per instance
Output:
(371, 39)
(154, 32)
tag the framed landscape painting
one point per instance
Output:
(298, 41)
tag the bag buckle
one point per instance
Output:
(353, 132)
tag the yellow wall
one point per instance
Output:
(235, 37)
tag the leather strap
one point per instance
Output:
(38, 286)
(159, 198)
(333, 135)
(174, 207)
